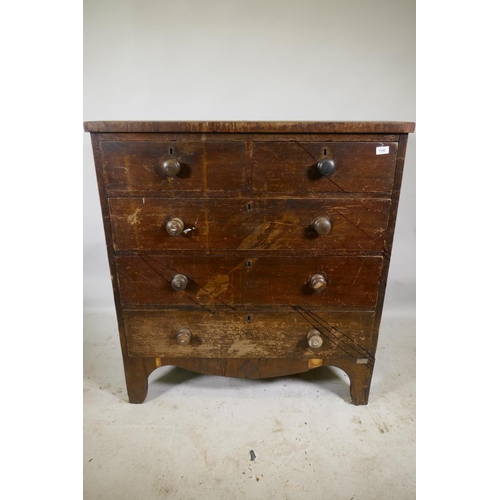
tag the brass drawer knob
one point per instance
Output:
(318, 283)
(175, 226)
(183, 336)
(179, 282)
(322, 225)
(170, 167)
(326, 166)
(314, 339)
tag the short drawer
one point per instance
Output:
(136, 167)
(249, 334)
(233, 280)
(291, 167)
(356, 224)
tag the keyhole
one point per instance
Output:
(249, 207)
(249, 318)
(171, 151)
(324, 151)
(249, 263)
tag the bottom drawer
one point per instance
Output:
(249, 334)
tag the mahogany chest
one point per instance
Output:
(249, 249)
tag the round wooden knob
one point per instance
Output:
(183, 336)
(318, 282)
(179, 282)
(170, 167)
(314, 339)
(326, 166)
(175, 226)
(322, 225)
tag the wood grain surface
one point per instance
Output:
(232, 280)
(249, 334)
(290, 167)
(275, 127)
(249, 193)
(132, 166)
(357, 224)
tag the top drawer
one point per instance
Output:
(136, 166)
(291, 167)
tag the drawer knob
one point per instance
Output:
(183, 336)
(170, 167)
(179, 282)
(318, 283)
(322, 225)
(314, 339)
(326, 166)
(175, 226)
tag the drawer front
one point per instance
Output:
(291, 167)
(220, 334)
(233, 280)
(357, 224)
(135, 166)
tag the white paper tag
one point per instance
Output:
(382, 150)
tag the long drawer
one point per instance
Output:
(249, 334)
(271, 224)
(234, 280)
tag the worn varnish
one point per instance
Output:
(135, 166)
(290, 167)
(247, 195)
(251, 224)
(232, 280)
(248, 334)
(275, 127)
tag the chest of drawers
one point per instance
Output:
(249, 249)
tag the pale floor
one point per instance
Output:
(192, 437)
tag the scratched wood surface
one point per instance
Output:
(131, 166)
(234, 280)
(250, 334)
(275, 127)
(357, 224)
(251, 191)
(290, 167)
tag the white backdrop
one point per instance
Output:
(249, 60)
